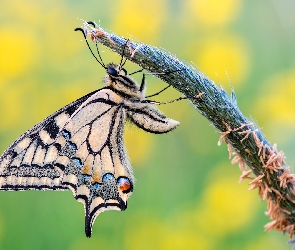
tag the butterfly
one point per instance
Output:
(80, 147)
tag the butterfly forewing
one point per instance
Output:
(27, 163)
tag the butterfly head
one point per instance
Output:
(118, 79)
(113, 71)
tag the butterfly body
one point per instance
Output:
(80, 147)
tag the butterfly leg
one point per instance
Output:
(122, 55)
(137, 71)
(159, 91)
(142, 85)
(161, 103)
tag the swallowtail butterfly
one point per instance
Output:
(80, 147)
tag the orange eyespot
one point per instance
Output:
(124, 184)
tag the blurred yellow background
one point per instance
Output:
(187, 194)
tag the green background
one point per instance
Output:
(187, 194)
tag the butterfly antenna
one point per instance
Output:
(122, 55)
(80, 29)
(96, 44)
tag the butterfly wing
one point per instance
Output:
(148, 118)
(79, 147)
(27, 162)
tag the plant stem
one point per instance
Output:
(244, 138)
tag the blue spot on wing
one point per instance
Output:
(77, 161)
(107, 177)
(66, 134)
(96, 185)
(73, 145)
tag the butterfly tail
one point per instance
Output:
(88, 223)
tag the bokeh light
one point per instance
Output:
(214, 13)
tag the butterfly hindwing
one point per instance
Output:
(92, 160)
